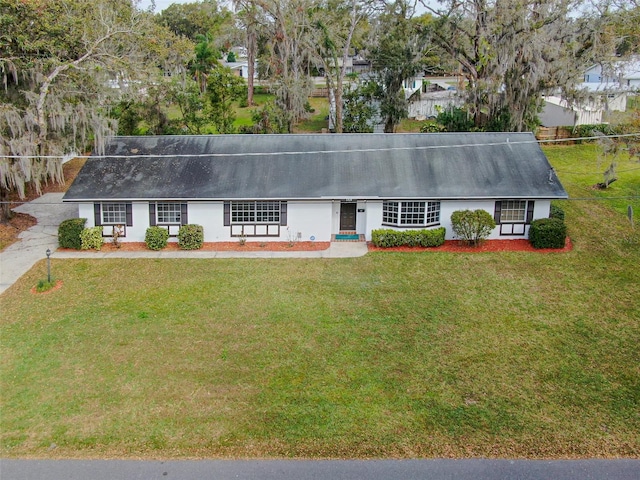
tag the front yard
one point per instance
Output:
(393, 354)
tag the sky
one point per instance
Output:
(162, 4)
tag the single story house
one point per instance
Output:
(311, 187)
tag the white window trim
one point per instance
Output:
(432, 207)
(256, 212)
(179, 212)
(104, 212)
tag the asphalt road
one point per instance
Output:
(321, 469)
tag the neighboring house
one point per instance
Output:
(434, 97)
(609, 86)
(619, 75)
(558, 112)
(241, 69)
(310, 187)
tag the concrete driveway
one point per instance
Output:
(18, 258)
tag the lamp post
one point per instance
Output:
(48, 252)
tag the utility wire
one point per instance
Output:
(586, 199)
(326, 152)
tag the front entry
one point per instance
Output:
(348, 216)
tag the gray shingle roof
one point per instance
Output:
(435, 166)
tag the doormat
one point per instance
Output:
(347, 236)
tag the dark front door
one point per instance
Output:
(348, 216)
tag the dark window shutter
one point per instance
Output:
(97, 217)
(152, 214)
(530, 204)
(283, 214)
(497, 212)
(227, 214)
(129, 211)
(184, 219)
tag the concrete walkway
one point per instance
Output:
(17, 259)
(49, 210)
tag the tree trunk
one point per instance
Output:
(5, 211)
(251, 59)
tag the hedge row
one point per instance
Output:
(387, 238)
(73, 234)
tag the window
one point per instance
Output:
(255, 218)
(513, 211)
(114, 216)
(408, 214)
(513, 216)
(114, 213)
(168, 213)
(390, 213)
(255, 212)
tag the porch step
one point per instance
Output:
(348, 237)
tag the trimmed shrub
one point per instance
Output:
(556, 211)
(91, 238)
(387, 238)
(156, 238)
(472, 226)
(547, 233)
(69, 233)
(190, 237)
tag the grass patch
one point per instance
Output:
(317, 119)
(392, 354)
(45, 285)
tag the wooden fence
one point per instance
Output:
(553, 133)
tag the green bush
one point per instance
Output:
(387, 238)
(69, 233)
(547, 233)
(472, 226)
(190, 237)
(156, 238)
(91, 238)
(556, 211)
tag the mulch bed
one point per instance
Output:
(486, 246)
(223, 247)
(17, 224)
(449, 246)
(57, 286)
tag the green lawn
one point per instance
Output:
(392, 354)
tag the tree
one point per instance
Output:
(360, 111)
(248, 16)
(396, 56)
(224, 87)
(63, 64)
(513, 51)
(287, 53)
(335, 23)
(206, 57)
(185, 94)
(206, 17)
(268, 119)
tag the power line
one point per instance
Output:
(631, 197)
(594, 173)
(326, 152)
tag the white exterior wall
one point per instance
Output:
(311, 219)
(447, 207)
(308, 219)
